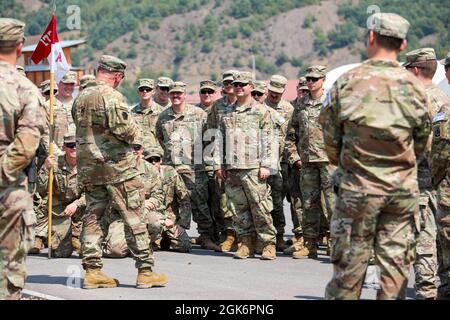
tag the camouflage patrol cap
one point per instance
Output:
(316, 72)
(164, 82)
(11, 31)
(419, 55)
(21, 70)
(153, 153)
(208, 84)
(243, 77)
(44, 86)
(388, 24)
(87, 78)
(69, 138)
(69, 78)
(277, 84)
(446, 61)
(112, 64)
(178, 86)
(259, 86)
(229, 75)
(302, 84)
(150, 83)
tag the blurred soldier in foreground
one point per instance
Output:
(423, 64)
(180, 130)
(221, 107)
(146, 113)
(245, 168)
(440, 178)
(21, 129)
(279, 181)
(68, 201)
(376, 126)
(108, 173)
(162, 92)
(306, 151)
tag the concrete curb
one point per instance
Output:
(38, 296)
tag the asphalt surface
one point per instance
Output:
(199, 274)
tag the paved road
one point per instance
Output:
(199, 274)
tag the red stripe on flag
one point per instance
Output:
(44, 46)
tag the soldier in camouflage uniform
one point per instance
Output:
(21, 129)
(108, 173)
(446, 64)
(65, 95)
(376, 125)
(176, 207)
(208, 89)
(146, 113)
(180, 130)
(245, 167)
(259, 92)
(293, 193)
(215, 113)
(84, 80)
(115, 243)
(306, 152)
(279, 181)
(423, 64)
(68, 201)
(440, 179)
(161, 96)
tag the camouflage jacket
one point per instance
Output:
(23, 123)
(376, 125)
(177, 203)
(147, 118)
(181, 135)
(438, 99)
(247, 138)
(304, 139)
(281, 114)
(440, 155)
(105, 132)
(215, 113)
(152, 183)
(65, 188)
(164, 106)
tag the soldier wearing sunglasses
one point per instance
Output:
(162, 92)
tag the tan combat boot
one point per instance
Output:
(269, 252)
(76, 244)
(37, 246)
(246, 248)
(297, 245)
(207, 243)
(230, 240)
(309, 250)
(147, 279)
(281, 244)
(95, 278)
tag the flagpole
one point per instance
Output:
(50, 149)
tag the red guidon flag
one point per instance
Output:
(49, 45)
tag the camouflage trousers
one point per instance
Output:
(222, 218)
(250, 201)
(362, 223)
(318, 198)
(127, 199)
(276, 184)
(425, 264)
(294, 197)
(197, 184)
(443, 232)
(17, 222)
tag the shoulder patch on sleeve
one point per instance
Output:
(439, 117)
(327, 101)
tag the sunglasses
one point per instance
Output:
(145, 89)
(311, 79)
(154, 159)
(47, 93)
(71, 145)
(164, 89)
(239, 84)
(304, 91)
(207, 91)
(227, 83)
(137, 147)
(257, 94)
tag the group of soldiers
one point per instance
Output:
(363, 166)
